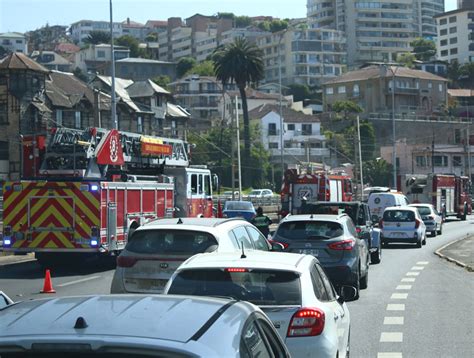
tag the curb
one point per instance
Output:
(13, 260)
(450, 259)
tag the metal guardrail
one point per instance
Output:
(420, 118)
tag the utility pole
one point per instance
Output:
(432, 153)
(282, 164)
(394, 149)
(360, 160)
(232, 150)
(112, 64)
(238, 147)
(468, 152)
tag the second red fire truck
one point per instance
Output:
(90, 188)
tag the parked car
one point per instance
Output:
(379, 201)
(239, 209)
(137, 326)
(402, 224)
(360, 214)
(292, 289)
(431, 217)
(260, 193)
(156, 249)
(333, 240)
(227, 195)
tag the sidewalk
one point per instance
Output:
(8, 259)
(461, 252)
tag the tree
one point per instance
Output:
(377, 172)
(3, 51)
(184, 65)
(406, 59)
(346, 108)
(205, 68)
(162, 81)
(132, 43)
(278, 25)
(96, 37)
(300, 92)
(423, 49)
(454, 72)
(240, 62)
(242, 21)
(151, 37)
(467, 75)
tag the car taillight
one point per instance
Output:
(236, 269)
(417, 223)
(126, 261)
(381, 224)
(285, 245)
(342, 245)
(306, 322)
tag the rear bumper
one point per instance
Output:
(408, 239)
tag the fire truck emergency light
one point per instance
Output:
(94, 187)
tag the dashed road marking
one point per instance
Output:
(418, 268)
(408, 279)
(78, 281)
(391, 337)
(393, 320)
(403, 287)
(413, 273)
(395, 307)
(389, 355)
(422, 263)
(399, 296)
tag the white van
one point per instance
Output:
(379, 201)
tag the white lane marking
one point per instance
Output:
(78, 281)
(403, 287)
(399, 296)
(408, 279)
(413, 273)
(395, 307)
(417, 268)
(393, 320)
(391, 337)
(422, 263)
(389, 355)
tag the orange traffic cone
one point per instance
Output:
(219, 209)
(48, 285)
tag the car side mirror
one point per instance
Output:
(347, 293)
(375, 219)
(276, 246)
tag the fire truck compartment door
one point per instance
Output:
(112, 226)
(52, 214)
(300, 191)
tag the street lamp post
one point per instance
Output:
(394, 149)
(112, 63)
(280, 105)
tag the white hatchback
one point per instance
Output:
(292, 289)
(431, 217)
(402, 224)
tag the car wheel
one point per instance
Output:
(419, 243)
(424, 240)
(356, 285)
(376, 256)
(364, 281)
(433, 233)
(440, 231)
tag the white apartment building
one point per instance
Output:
(304, 56)
(14, 42)
(81, 29)
(204, 44)
(376, 30)
(456, 36)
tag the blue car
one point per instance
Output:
(244, 209)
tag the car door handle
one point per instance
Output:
(336, 316)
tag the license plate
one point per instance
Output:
(309, 252)
(398, 235)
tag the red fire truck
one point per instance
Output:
(89, 189)
(450, 194)
(318, 186)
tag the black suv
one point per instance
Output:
(359, 213)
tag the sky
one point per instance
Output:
(26, 15)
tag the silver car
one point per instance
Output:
(137, 326)
(402, 224)
(292, 289)
(431, 217)
(156, 249)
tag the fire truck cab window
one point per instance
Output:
(194, 184)
(207, 185)
(200, 184)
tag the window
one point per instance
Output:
(252, 343)
(444, 53)
(457, 161)
(341, 89)
(242, 237)
(452, 19)
(443, 42)
(452, 30)
(430, 85)
(421, 161)
(453, 51)
(139, 125)
(3, 112)
(453, 40)
(258, 239)
(329, 90)
(440, 87)
(4, 151)
(100, 54)
(59, 117)
(77, 119)
(440, 161)
(443, 32)
(355, 90)
(207, 185)
(306, 129)
(327, 284)
(318, 285)
(272, 129)
(273, 145)
(443, 21)
(194, 184)
(291, 127)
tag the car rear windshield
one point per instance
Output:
(331, 209)
(179, 242)
(259, 286)
(306, 230)
(243, 205)
(424, 210)
(398, 215)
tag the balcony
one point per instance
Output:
(407, 91)
(301, 152)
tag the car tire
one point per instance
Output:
(356, 285)
(423, 242)
(364, 281)
(376, 257)
(440, 231)
(419, 243)
(434, 233)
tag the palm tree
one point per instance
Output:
(240, 62)
(96, 37)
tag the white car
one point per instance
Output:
(156, 249)
(431, 217)
(292, 289)
(260, 193)
(137, 326)
(402, 224)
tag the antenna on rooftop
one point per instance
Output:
(243, 256)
